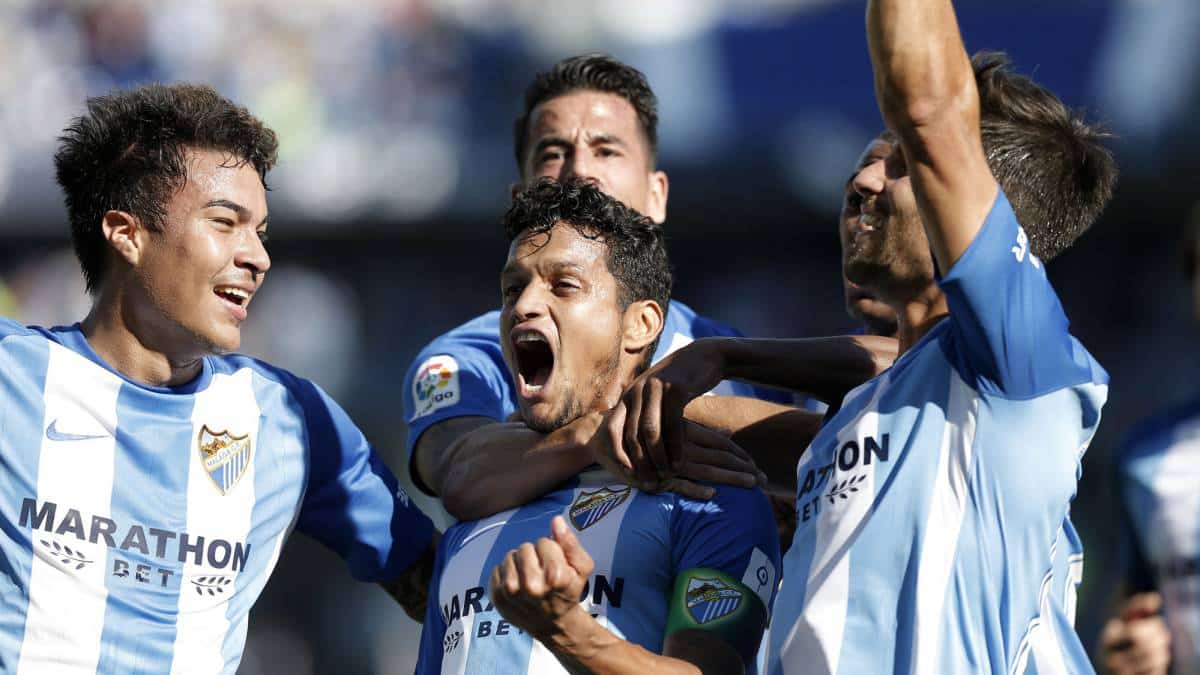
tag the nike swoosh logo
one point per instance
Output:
(54, 434)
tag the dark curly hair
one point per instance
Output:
(1053, 165)
(590, 72)
(129, 153)
(637, 251)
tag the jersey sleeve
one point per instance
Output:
(1009, 326)
(455, 376)
(352, 502)
(733, 532)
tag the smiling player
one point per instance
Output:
(148, 477)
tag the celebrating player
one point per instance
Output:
(594, 118)
(668, 584)
(149, 478)
(933, 506)
(1157, 624)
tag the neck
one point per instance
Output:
(917, 315)
(133, 346)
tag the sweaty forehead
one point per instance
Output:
(214, 175)
(562, 247)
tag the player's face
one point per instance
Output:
(560, 326)
(199, 274)
(885, 249)
(862, 304)
(597, 136)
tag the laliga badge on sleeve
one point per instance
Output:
(435, 385)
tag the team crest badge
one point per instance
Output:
(590, 507)
(711, 599)
(225, 457)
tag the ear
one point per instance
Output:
(642, 323)
(125, 235)
(656, 202)
(515, 189)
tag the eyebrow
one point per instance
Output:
(513, 268)
(243, 212)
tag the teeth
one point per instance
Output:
(529, 337)
(869, 220)
(235, 292)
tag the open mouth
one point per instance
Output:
(233, 295)
(535, 359)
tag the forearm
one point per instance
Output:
(774, 435)
(411, 588)
(921, 67)
(927, 94)
(502, 466)
(582, 645)
(825, 368)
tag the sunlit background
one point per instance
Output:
(395, 120)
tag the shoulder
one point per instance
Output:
(1155, 434)
(728, 502)
(482, 331)
(684, 320)
(301, 394)
(10, 328)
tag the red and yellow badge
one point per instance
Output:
(225, 457)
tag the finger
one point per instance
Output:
(650, 425)
(701, 435)
(673, 426)
(616, 426)
(715, 474)
(510, 581)
(573, 551)
(533, 578)
(699, 454)
(1141, 605)
(554, 563)
(642, 466)
(688, 489)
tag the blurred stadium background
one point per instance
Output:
(395, 119)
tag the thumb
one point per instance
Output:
(576, 555)
(1141, 606)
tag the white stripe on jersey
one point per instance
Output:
(1041, 643)
(464, 572)
(947, 506)
(227, 405)
(66, 611)
(814, 642)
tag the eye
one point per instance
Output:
(608, 152)
(511, 291)
(224, 222)
(263, 236)
(550, 156)
(565, 286)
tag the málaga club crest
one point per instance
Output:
(711, 599)
(225, 457)
(590, 507)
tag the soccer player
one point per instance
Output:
(876, 317)
(933, 506)
(149, 477)
(667, 583)
(1157, 624)
(590, 117)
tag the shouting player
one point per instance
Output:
(668, 584)
(594, 118)
(933, 506)
(148, 477)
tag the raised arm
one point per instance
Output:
(926, 91)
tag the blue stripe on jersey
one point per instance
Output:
(22, 414)
(484, 653)
(149, 486)
(644, 613)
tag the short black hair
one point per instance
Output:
(1051, 163)
(590, 72)
(637, 250)
(128, 152)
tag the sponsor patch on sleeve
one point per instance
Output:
(435, 385)
(760, 575)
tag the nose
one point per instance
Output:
(579, 165)
(870, 179)
(530, 304)
(252, 255)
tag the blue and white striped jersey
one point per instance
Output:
(933, 532)
(462, 373)
(1158, 476)
(139, 524)
(640, 542)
